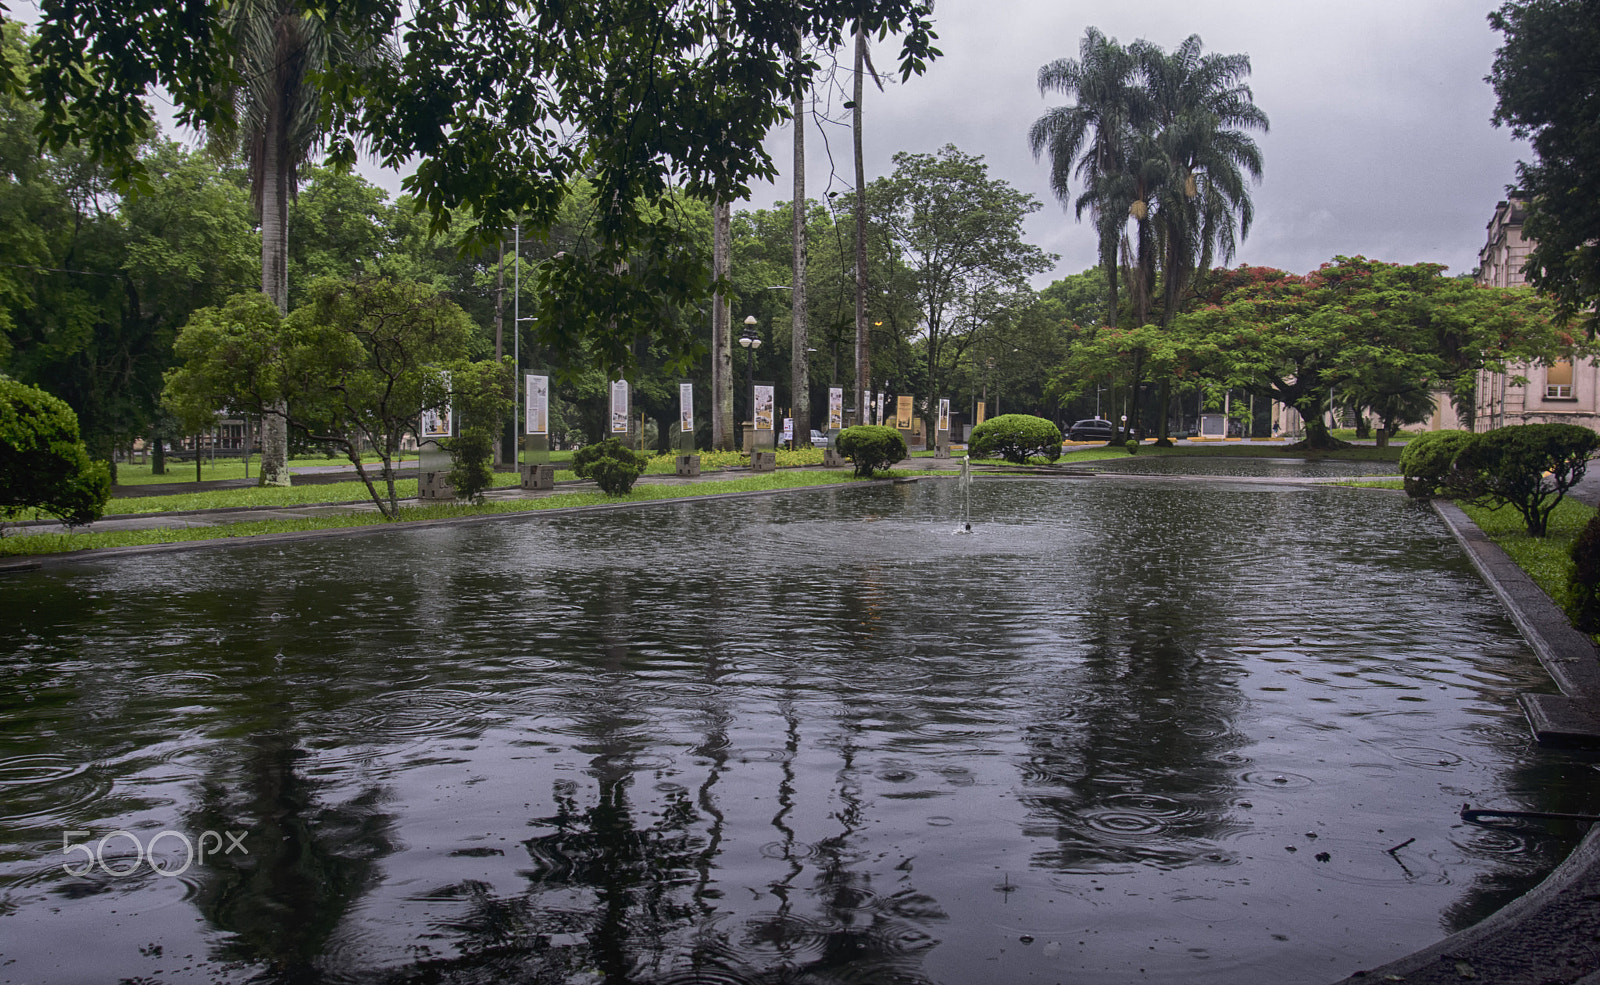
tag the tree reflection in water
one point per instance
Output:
(308, 863)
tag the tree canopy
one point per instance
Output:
(956, 233)
(503, 108)
(355, 366)
(1355, 320)
(1549, 94)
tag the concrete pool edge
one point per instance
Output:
(1551, 933)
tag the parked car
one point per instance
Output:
(1093, 429)
(818, 439)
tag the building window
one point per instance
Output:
(1558, 380)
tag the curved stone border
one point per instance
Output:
(1551, 933)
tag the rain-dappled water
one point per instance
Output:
(1126, 732)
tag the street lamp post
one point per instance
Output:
(751, 343)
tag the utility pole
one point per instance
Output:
(863, 340)
(800, 357)
(499, 346)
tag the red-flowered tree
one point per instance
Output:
(1355, 320)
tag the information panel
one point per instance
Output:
(835, 408)
(438, 422)
(537, 404)
(619, 407)
(763, 405)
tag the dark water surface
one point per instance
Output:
(1127, 732)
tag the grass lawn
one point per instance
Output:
(138, 473)
(1545, 559)
(58, 543)
(355, 491)
(219, 499)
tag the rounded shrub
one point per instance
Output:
(43, 464)
(1426, 461)
(872, 447)
(612, 465)
(1132, 444)
(1016, 438)
(1528, 467)
(1583, 582)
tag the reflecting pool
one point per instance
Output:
(1129, 731)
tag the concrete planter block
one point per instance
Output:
(689, 465)
(763, 461)
(538, 476)
(435, 487)
(833, 460)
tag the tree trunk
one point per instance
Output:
(275, 186)
(1108, 263)
(1312, 407)
(1136, 416)
(863, 337)
(721, 333)
(1163, 438)
(800, 359)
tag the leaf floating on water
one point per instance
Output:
(1465, 970)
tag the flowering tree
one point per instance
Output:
(1355, 321)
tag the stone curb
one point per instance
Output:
(1551, 934)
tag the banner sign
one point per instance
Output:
(763, 417)
(438, 422)
(619, 407)
(903, 414)
(835, 408)
(944, 414)
(686, 408)
(537, 402)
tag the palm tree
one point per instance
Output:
(1194, 156)
(1089, 141)
(1187, 163)
(280, 49)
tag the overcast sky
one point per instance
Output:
(1380, 143)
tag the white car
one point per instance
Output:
(818, 439)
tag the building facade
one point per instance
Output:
(1566, 391)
